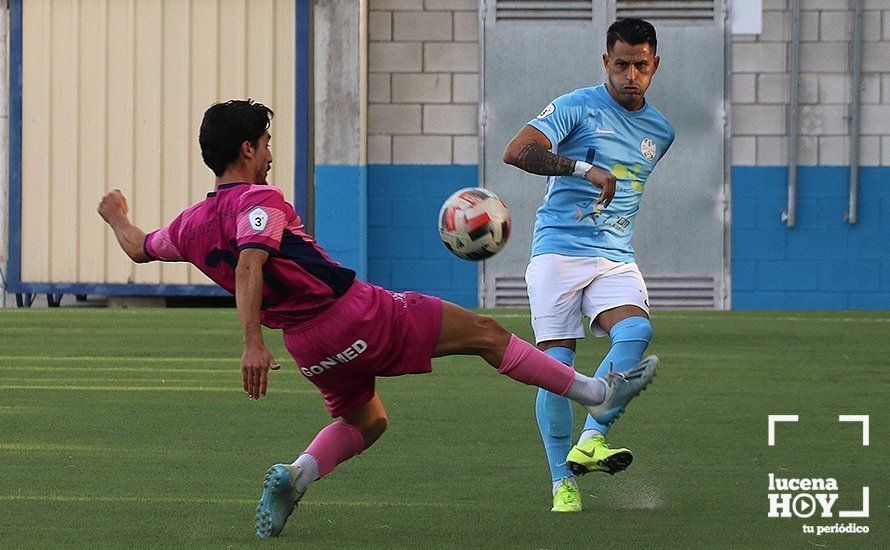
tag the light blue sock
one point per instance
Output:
(630, 338)
(555, 419)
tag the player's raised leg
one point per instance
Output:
(630, 331)
(466, 333)
(285, 484)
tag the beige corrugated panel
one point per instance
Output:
(113, 95)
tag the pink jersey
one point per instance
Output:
(300, 279)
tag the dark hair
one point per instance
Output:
(631, 31)
(226, 126)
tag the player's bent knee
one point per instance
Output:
(490, 334)
(632, 329)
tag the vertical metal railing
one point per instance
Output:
(726, 285)
(855, 91)
(790, 214)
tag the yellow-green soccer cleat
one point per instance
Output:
(278, 500)
(567, 498)
(595, 455)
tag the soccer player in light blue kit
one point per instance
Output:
(598, 146)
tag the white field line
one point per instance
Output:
(69, 331)
(657, 316)
(95, 312)
(19, 409)
(98, 449)
(744, 318)
(508, 315)
(55, 447)
(223, 501)
(200, 389)
(154, 380)
(59, 368)
(123, 359)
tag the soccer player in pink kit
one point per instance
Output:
(342, 332)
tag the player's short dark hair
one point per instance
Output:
(226, 126)
(631, 31)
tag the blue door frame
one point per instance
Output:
(302, 167)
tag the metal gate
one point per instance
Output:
(533, 52)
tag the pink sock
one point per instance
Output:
(527, 364)
(336, 443)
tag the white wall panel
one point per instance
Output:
(92, 135)
(147, 180)
(175, 124)
(113, 95)
(36, 154)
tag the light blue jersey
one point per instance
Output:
(589, 125)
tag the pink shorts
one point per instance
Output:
(368, 332)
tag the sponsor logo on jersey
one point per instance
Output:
(548, 110)
(345, 356)
(647, 147)
(258, 219)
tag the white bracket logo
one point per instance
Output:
(796, 496)
(857, 418)
(771, 431)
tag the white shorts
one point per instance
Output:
(563, 288)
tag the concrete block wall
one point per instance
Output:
(422, 140)
(422, 81)
(760, 84)
(823, 262)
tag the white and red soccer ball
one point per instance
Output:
(474, 223)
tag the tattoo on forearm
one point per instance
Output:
(538, 160)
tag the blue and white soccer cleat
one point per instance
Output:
(278, 501)
(621, 387)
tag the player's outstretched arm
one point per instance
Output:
(131, 239)
(530, 151)
(256, 359)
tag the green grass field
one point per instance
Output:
(128, 428)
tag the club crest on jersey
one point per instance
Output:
(647, 147)
(548, 110)
(258, 219)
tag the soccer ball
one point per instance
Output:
(474, 223)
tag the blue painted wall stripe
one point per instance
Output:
(404, 249)
(821, 263)
(342, 221)
(381, 220)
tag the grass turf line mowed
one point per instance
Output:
(129, 428)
